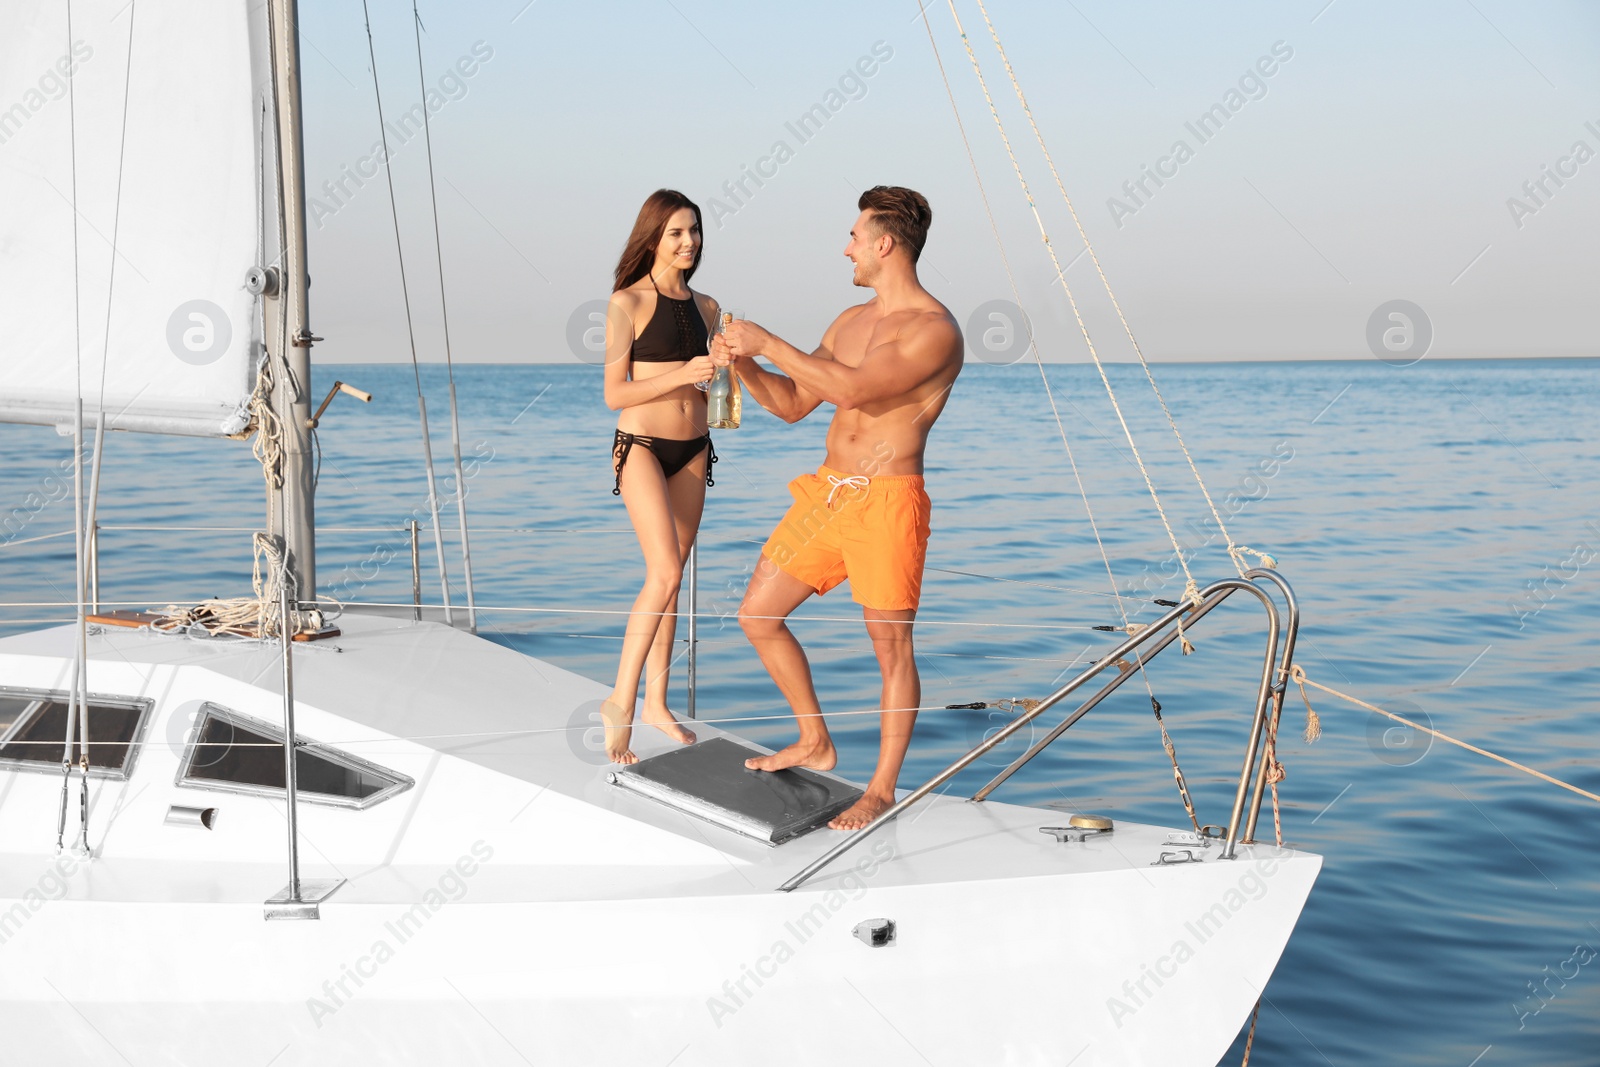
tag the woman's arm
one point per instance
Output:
(620, 390)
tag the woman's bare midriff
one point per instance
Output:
(680, 414)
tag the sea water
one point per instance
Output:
(1439, 522)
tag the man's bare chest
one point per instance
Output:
(856, 340)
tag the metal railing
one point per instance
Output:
(1160, 634)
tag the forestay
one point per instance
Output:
(174, 118)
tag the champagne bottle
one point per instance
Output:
(722, 396)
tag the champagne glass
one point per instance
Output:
(716, 329)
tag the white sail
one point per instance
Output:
(184, 332)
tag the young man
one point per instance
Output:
(887, 367)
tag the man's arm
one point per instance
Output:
(775, 392)
(780, 395)
(921, 348)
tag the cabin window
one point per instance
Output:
(33, 726)
(236, 753)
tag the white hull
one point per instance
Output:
(512, 907)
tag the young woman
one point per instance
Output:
(656, 355)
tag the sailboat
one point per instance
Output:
(383, 844)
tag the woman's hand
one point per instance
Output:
(697, 371)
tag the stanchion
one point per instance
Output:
(694, 612)
(299, 899)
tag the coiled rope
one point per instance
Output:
(257, 615)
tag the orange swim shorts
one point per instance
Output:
(873, 531)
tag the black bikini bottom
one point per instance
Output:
(672, 455)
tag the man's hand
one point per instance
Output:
(720, 355)
(744, 339)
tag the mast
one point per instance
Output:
(290, 511)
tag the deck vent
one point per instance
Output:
(876, 933)
(195, 818)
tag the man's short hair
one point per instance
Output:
(901, 213)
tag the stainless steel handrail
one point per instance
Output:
(1110, 687)
(1279, 689)
(1209, 598)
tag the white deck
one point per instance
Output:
(554, 902)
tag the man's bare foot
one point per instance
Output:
(668, 723)
(619, 731)
(818, 757)
(861, 812)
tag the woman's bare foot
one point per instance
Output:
(619, 731)
(668, 723)
(861, 813)
(818, 756)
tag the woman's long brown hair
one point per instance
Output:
(639, 254)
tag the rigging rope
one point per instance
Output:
(1234, 551)
(1187, 647)
(1016, 295)
(1250, 1039)
(411, 333)
(77, 711)
(1191, 589)
(444, 310)
(1313, 727)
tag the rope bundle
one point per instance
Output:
(249, 616)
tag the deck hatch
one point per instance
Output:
(33, 725)
(709, 781)
(239, 754)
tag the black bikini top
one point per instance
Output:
(676, 332)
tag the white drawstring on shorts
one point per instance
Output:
(857, 481)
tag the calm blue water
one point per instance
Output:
(1410, 507)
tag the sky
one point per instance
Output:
(1444, 153)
